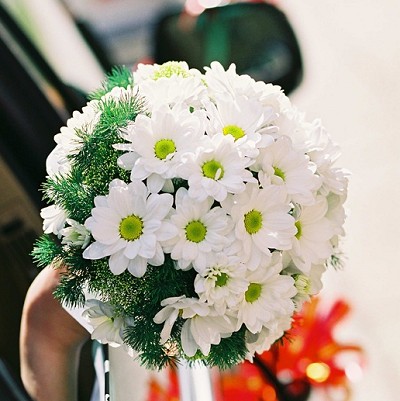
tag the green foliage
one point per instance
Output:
(140, 299)
(45, 251)
(70, 291)
(120, 76)
(179, 182)
(336, 261)
(94, 166)
(71, 193)
(229, 352)
(97, 160)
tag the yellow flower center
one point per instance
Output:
(164, 147)
(233, 130)
(213, 169)
(280, 173)
(170, 68)
(222, 279)
(299, 229)
(253, 292)
(253, 221)
(195, 231)
(131, 228)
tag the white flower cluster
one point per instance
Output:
(257, 217)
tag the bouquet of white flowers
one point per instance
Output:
(199, 211)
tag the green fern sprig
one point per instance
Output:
(46, 249)
(119, 76)
(229, 352)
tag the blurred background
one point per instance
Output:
(336, 59)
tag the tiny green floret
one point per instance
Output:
(131, 228)
(302, 283)
(170, 68)
(253, 221)
(253, 292)
(222, 280)
(279, 173)
(195, 231)
(213, 169)
(163, 148)
(234, 130)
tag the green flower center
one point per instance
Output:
(213, 169)
(195, 231)
(170, 68)
(253, 292)
(299, 229)
(253, 221)
(280, 173)
(233, 130)
(164, 147)
(222, 279)
(131, 228)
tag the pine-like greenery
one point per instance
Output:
(93, 167)
(45, 251)
(119, 77)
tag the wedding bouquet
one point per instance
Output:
(194, 213)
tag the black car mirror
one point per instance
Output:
(257, 37)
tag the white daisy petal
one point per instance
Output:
(118, 262)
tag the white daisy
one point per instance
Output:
(68, 141)
(221, 82)
(143, 72)
(306, 284)
(272, 96)
(313, 277)
(202, 327)
(243, 119)
(54, 218)
(281, 165)
(222, 284)
(336, 213)
(188, 91)
(267, 297)
(153, 72)
(169, 84)
(200, 332)
(75, 235)
(158, 143)
(216, 170)
(262, 341)
(311, 244)
(108, 328)
(303, 287)
(202, 232)
(173, 308)
(128, 225)
(313, 139)
(262, 222)
(324, 153)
